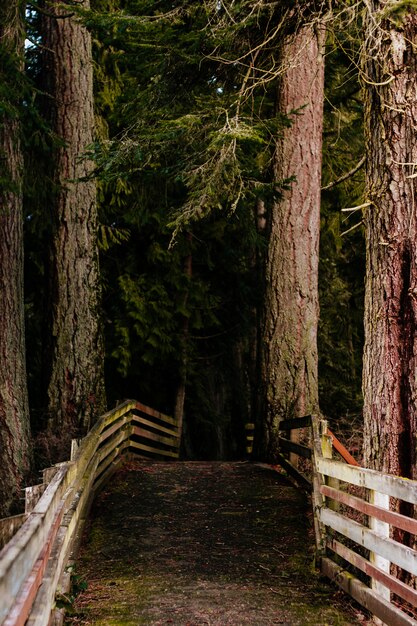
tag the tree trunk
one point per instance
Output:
(76, 383)
(14, 410)
(183, 366)
(289, 334)
(390, 353)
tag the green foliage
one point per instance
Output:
(192, 112)
(397, 11)
(186, 116)
(342, 253)
(180, 151)
(109, 236)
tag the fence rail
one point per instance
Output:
(39, 544)
(357, 533)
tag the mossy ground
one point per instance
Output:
(193, 544)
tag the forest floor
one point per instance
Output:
(196, 544)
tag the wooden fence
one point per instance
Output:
(40, 543)
(357, 524)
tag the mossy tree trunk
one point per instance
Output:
(390, 354)
(289, 385)
(76, 382)
(14, 410)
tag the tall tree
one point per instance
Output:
(390, 354)
(289, 333)
(14, 410)
(342, 242)
(76, 383)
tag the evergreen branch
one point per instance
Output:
(344, 177)
(48, 13)
(257, 48)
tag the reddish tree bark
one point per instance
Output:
(76, 385)
(289, 333)
(390, 354)
(14, 409)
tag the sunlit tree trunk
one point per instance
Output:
(14, 410)
(76, 383)
(289, 333)
(390, 354)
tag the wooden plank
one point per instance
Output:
(160, 416)
(297, 448)
(19, 556)
(146, 434)
(48, 473)
(9, 527)
(156, 451)
(108, 460)
(89, 444)
(22, 553)
(382, 530)
(338, 445)
(298, 476)
(394, 486)
(67, 537)
(390, 517)
(113, 415)
(144, 422)
(32, 496)
(318, 501)
(392, 583)
(24, 600)
(75, 444)
(387, 612)
(296, 422)
(17, 560)
(52, 495)
(40, 614)
(110, 469)
(66, 480)
(111, 445)
(391, 550)
(115, 427)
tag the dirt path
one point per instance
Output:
(196, 544)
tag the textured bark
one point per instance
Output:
(390, 354)
(183, 368)
(76, 384)
(14, 410)
(289, 335)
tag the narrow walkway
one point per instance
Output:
(196, 544)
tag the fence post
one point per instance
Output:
(327, 451)
(249, 429)
(75, 444)
(382, 528)
(318, 498)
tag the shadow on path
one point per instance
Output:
(196, 544)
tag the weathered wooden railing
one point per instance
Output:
(33, 563)
(355, 531)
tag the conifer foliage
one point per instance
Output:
(163, 161)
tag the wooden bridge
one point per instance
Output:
(359, 535)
